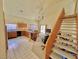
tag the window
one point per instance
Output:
(33, 27)
(11, 27)
(43, 27)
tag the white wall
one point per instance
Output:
(2, 34)
(54, 9)
(22, 8)
(17, 19)
(51, 9)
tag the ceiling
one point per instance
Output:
(30, 9)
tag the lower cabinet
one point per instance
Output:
(12, 35)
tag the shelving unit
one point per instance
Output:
(63, 39)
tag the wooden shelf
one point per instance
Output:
(69, 19)
(68, 29)
(66, 42)
(55, 56)
(63, 53)
(69, 16)
(74, 32)
(68, 38)
(68, 23)
(68, 26)
(68, 48)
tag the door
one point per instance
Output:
(3, 49)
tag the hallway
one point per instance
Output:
(20, 49)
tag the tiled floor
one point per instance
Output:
(20, 48)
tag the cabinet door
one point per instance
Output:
(12, 34)
(34, 36)
(25, 33)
